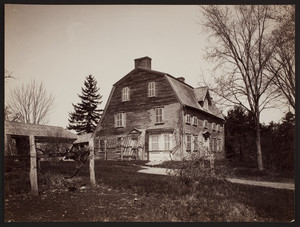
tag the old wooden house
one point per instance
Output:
(160, 116)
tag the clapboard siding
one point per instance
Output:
(140, 108)
(199, 129)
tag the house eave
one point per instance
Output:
(204, 112)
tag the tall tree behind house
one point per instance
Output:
(243, 46)
(86, 114)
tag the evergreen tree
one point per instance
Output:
(239, 134)
(86, 115)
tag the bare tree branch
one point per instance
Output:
(30, 103)
(243, 49)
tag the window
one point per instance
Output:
(214, 144)
(160, 142)
(205, 124)
(218, 145)
(188, 142)
(213, 126)
(154, 142)
(188, 119)
(205, 104)
(120, 120)
(159, 115)
(167, 141)
(195, 121)
(196, 145)
(151, 89)
(125, 94)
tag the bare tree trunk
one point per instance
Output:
(258, 144)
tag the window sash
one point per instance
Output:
(196, 145)
(195, 121)
(188, 142)
(120, 120)
(167, 141)
(205, 105)
(154, 142)
(159, 115)
(151, 89)
(205, 123)
(219, 145)
(188, 118)
(125, 94)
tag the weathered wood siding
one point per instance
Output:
(140, 108)
(196, 130)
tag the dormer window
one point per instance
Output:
(151, 89)
(205, 104)
(188, 119)
(125, 94)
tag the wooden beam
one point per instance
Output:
(92, 163)
(33, 167)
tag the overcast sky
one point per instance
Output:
(61, 45)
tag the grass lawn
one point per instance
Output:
(122, 194)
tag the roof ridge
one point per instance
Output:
(24, 123)
(202, 87)
(179, 81)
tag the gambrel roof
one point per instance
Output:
(186, 94)
(191, 97)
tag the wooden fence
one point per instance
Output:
(123, 148)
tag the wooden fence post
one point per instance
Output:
(92, 163)
(105, 150)
(33, 167)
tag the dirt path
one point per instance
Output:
(164, 171)
(155, 170)
(288, 186)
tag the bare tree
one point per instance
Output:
(31, 103)
(243, 45)
(282, 63)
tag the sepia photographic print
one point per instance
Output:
(149, 113)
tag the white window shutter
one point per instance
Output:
(124, 119)
(149, 89)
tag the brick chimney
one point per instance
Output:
(182, 79)
(144, 62)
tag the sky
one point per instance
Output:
(60, 45)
